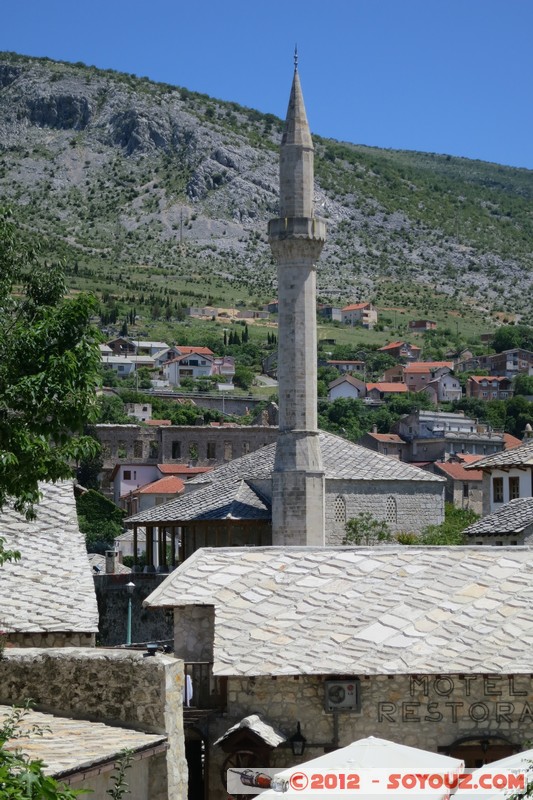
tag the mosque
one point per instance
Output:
(303, 488)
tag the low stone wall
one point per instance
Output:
(50, 639)
(124, 688)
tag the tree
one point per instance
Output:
(99, 519)
(450, 532)
(366, 529)
(49, 365)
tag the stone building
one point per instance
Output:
(512, 524)
(431, 647)
(201, 445)
(232, 505)
(47, 597)
(436, 435)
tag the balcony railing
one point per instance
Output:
(202, 689)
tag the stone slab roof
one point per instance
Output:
(68, 745)
(516, 457)
(51, 588)
(372, 611)
(511, 518)
(229, 499)
(343, 460)
(257, 725)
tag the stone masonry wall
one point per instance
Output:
(421, 711)
(203, 444)
(147, 624)
(404, 505)
(119, 687)
(50, 639)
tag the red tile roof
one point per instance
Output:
(181, 469)
(458, 473)
(427, 366)
(158, 422)
(510, 441)
(170, 484)
(187, 350)
(395, 345)
(387, 387)
(356, 306)
(489, 378)
(387, 437)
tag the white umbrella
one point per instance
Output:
(519, 762)
(372, 754)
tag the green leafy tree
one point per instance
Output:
(49, 365)
(366, 529)
(523, 384)
(99, 519)
(450, 532)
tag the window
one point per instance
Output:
(392, 510)
(245, 448)
(122, 451)
(138, 448)
(228, 451)
(154, 450)
(514, 488)
(127, 474)
(465, 491)
(176, 449)
(211, 450)
(340, 509)
(497, 490)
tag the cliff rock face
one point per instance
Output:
(93, 157)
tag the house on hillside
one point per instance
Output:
(489, 387)
(364, 314)
(403, 351)
(347, 386)
(418, 376)
(422, 325)
(436, 435)
(345, 365)
(445, 388)
(464, 488)
(388, 444)
(379, 391)
(188, 365)
(331, 313)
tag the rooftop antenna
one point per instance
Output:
(296, 58)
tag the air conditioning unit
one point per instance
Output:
(343, 695)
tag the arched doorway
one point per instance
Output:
(476, 751)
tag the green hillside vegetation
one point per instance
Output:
(157, 198)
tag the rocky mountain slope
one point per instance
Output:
(116, 170)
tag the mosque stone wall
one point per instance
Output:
(408, 506)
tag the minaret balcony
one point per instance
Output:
(312, 228)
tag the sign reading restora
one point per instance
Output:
(475, 697)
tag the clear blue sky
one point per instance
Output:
(444, 76)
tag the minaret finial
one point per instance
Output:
(296, 58)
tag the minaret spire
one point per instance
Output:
(296, 239)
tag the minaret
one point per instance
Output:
(296, 239)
